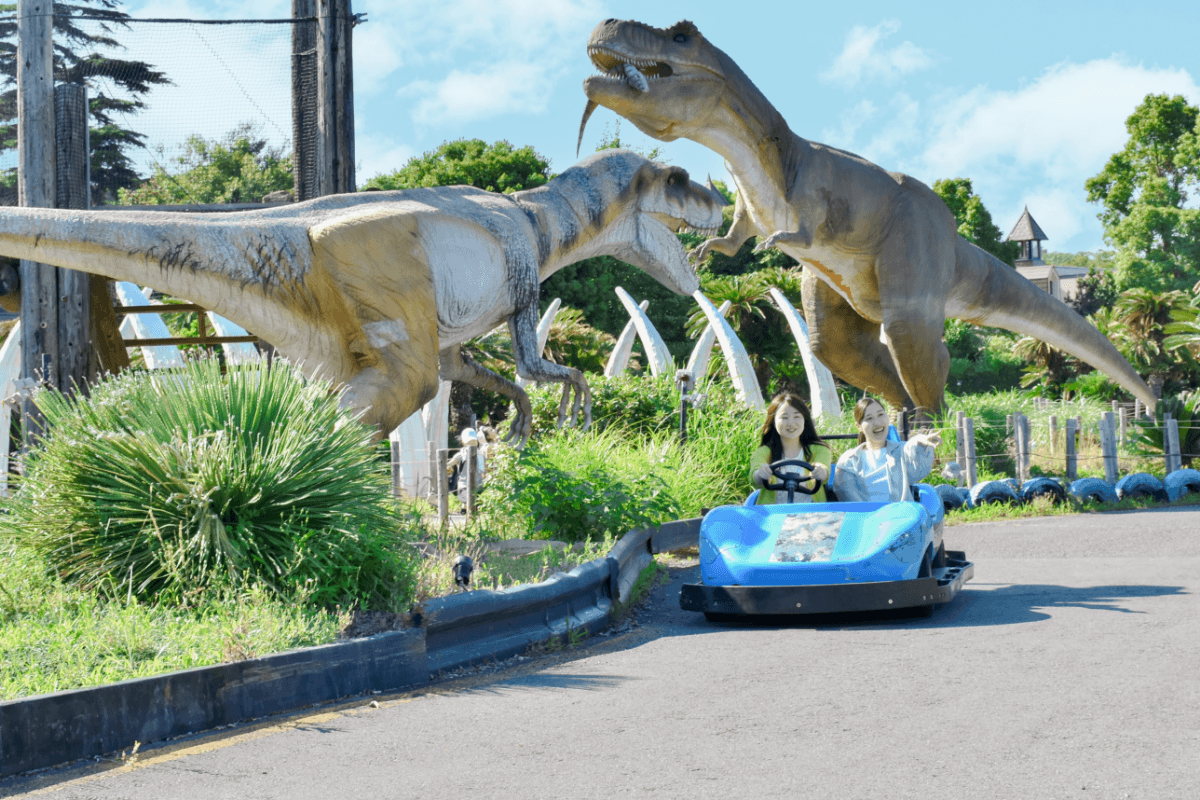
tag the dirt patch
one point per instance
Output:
(369, 623)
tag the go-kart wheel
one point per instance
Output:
(789, 482)
(939, 558)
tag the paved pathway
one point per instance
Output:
(1069, 668)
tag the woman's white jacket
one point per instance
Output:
(907, 463)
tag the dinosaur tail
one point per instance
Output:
(195, 256)
(989, 292)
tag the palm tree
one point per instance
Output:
(1143, 315)
(1049, 366)
(574, 343)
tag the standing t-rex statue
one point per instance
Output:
(880, 248)
(366, 289)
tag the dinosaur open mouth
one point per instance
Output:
(633, 72)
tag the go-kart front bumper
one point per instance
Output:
(941, 588)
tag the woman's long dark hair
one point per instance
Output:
(770, 436)
(860, 409)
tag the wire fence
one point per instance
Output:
(178, 84)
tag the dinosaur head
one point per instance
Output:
(663, 80)
(631, 208)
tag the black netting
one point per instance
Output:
(160, 84)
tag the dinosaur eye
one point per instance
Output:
(679, 37)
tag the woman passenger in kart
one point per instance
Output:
(789, 433)
(879, 470)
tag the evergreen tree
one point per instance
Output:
(76, 60)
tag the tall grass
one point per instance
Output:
(171, 486)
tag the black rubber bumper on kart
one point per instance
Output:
(831, 599)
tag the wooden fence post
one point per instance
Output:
(972, 474)
(1124, 422)
(1108, 446)
(1053, 433)
(1025, 448)
(960, 446)
(443, 485)
(1171, 449)
(395, 448)
(1072, 465)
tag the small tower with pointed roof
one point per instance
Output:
(1030, 236)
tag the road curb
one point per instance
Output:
(455, 631)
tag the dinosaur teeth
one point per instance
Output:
(635, 78)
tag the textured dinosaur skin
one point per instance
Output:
(378, 290)
(879, 248)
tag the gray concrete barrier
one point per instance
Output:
(50, 729)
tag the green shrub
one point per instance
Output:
(630, 403)
(170, 486)
(577, 486)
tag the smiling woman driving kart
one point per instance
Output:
(789, 435)
(880, 470)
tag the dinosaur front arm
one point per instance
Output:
(522, 327)
(741, 230)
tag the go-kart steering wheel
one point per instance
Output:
(789, 482)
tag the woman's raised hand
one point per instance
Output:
(932, 439)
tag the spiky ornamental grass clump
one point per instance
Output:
(173, 486)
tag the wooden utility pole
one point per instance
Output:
(335, 92)
(36, 188)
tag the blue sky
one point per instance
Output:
(1026, 99)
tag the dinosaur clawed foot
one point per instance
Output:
(583, 398)
(522, 423)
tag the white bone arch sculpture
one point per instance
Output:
(412, 440)
(698, 361)
(823, 395)
(656, 349)
(619, 360)
(745, 382)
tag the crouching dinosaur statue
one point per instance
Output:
(377, 291)
(879, 248)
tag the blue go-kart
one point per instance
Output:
(822, 558)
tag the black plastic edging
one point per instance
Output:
(487, 625)
(632, 554)
(52, 729)
(678, 535)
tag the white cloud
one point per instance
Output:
(863, 58)
(849, 122)
(378, 154)
(504, 88)
(900, 132)
(1063, 126)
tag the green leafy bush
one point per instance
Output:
(632, 404)
(576, 486)
(171, 486)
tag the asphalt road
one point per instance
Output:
(1069, 668)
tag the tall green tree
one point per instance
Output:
(77, 60)
(496, 167)
(240, 168)
(1144, 191)
(974, 220)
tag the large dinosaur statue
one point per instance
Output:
(365, 289)
(879, 248)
